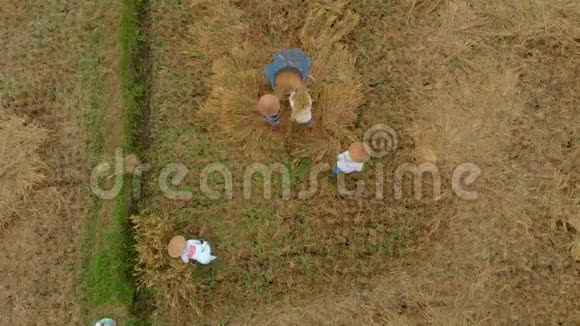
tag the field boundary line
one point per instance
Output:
(109, 284)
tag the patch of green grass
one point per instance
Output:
(14, 88)
(95, 264)
(109, 259)
(108, 282)
(94, 116)
(131, 40)
(300, 171)
(307, 267)
(191, 144)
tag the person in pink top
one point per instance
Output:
(187, 250)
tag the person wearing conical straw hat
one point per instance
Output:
(187, 250)
(352, 160)
(290, 62)
(269, 107)
(106, 322)
(287, 75)
(286, 82)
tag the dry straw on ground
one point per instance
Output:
(575, 250)
(236, 86)
(238, 81)
(221, 28)
(335, 83)
(495, 84)
(47, 79)
(20, 164)
(170, 279)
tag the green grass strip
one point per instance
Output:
(131, 42)
(109, 286)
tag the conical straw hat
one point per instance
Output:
(286, 83)
(359, 152)
(176, 246)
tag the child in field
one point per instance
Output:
(197, 250)
(301, 104)
(287, 75)
(106, 322)
(352, 160)
(269, 107)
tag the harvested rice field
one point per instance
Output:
(125, 124)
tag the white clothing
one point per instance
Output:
(347, 165)
(197, 250)
(106, 322)
(305, 115)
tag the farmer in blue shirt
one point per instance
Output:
(287, 75)
(288, 60)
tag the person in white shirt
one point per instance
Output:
(106, 322)
(352, 160)
(197, 250)
(301, 104)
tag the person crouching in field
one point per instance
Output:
(301, 104)
(352, 160)
(187, 250)
(287, 75)
(269, 107)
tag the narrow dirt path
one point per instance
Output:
(113, 126)
(110, 290)
(113, 109)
